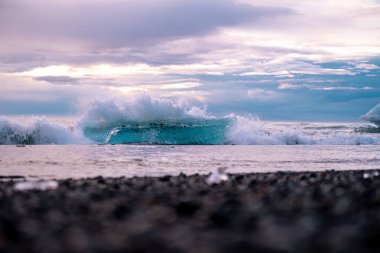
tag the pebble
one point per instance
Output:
(325, 211)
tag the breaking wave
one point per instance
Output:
(39, 131)
(251, 131)
(146, 120)
(110, 113)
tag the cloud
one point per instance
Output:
(266, 56)
(367, 66)
(341, 88)
(57, 79)
(117, 23)
(261, 94)
(156, 32)
(165, 32)
(287, 86)
(154, 88)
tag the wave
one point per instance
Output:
(368, 129)
(39, 131)
(251, 131)
(147, 120)
(143, 108)
(328, 127)
(194, 131)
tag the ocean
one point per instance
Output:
(56, 148)
(83, 161)
(154, 137)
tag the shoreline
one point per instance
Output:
(321, 211)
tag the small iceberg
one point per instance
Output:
(373, 115)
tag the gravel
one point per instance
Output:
(327, 211)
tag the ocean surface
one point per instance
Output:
(148, 137)
(58, 152)
(81, 161)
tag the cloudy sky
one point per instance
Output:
(281, 60)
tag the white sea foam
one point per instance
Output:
(251, 131)
(38, 131)
(111, 113)
(347, 139)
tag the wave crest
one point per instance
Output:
(251, 131)
(40, 131)
(143, 108)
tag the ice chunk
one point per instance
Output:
(217, 176)
(36, 185)
(373, 115)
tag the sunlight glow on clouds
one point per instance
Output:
(286, 86)
(147, 88)
(233, 55)
(96, 70)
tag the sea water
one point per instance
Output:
(153, 137)
(80, 161)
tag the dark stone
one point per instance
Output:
(121, 211)
(325, 211)
(165, 178)
(187, 208)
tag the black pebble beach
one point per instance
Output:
(326, 211)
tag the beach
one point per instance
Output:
(184, 126)
(320, 211)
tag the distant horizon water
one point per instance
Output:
(147, 120)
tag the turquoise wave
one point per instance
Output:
(178, 132)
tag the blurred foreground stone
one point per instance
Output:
(270, 212)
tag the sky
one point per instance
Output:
(280, 60)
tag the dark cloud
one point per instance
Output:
(40, 33)
(21, 61)
(58, 79)
(118, 23)
(18, 58)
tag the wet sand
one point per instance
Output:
(326, 211)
